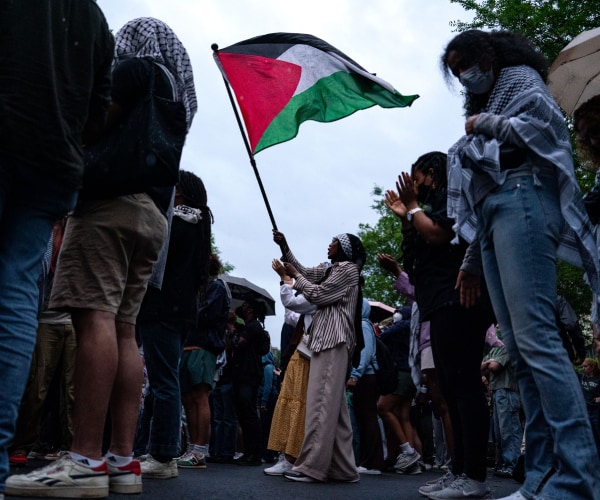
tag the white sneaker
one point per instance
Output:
(438, 484)
(126, 479)
(153, 469)
(191, 460)
(517, 495)
(280, 468)
(462, 487)
(364, 470)
(63, 478)
(405, 460)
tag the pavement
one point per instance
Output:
(224, 482)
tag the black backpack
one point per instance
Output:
(387, 373)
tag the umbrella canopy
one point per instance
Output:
(242, 289)
(380, 311)
(574, 77)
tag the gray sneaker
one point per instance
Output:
(153, 469)
(438, 485)
(462, 487)
(405, 461)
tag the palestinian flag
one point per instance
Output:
(283, 79)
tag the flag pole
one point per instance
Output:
(215, 47)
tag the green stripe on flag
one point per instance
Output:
(329, 99)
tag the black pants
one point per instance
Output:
(457, 342)
(244, 397)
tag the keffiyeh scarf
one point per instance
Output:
(149, 37)
(521, 95)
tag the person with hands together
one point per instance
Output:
(457, 332)
(335, 334)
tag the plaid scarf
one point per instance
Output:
(520, 93)
(149, 37)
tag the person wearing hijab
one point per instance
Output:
(107, 258)
(335, 333)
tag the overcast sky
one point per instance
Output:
(319, 184)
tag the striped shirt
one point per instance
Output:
(335, 298)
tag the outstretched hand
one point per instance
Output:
(394, 203)
(290, 270)
(387, 262)
(407, 189)
(279, 268)
(470, 288)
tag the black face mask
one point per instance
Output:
(424, 193)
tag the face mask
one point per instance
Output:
(424, 193)
(476, 80)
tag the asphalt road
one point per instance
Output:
(224, 482)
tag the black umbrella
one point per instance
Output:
(242, 289)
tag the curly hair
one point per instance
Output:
(501, 49)
(589, 111)
(436, 162)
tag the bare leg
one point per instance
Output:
(126, 391)
(198, 414)
(385, 407)
(95, 372)
(441, 407)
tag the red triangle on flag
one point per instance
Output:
(263, 87)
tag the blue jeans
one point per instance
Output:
(507, 405)
(518, 228)
(224, 422)
(29, 206)
(163, 345)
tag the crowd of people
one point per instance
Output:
(121, 285)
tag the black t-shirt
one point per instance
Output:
(435, 268)
(246, 362)
(55, 60)
(131, 79)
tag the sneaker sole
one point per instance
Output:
(201, 466)
(59, 491)
(274, 473)
(155, 475)
(126, 489)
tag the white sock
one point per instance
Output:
(407, 448)
(198, 449)
(85, 461)
(117, 460)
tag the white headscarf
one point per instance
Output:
(152, 38)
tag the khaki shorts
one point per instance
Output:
(107, 255)
(197, 366)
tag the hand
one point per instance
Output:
(408, 190)
(279, 238)
(279, 269)
(393, 202)
(470, 125)
(290, 270)
(351, 384)
(470, 288)
(387, 262)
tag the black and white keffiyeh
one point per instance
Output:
(521, 105)
(152, 38)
